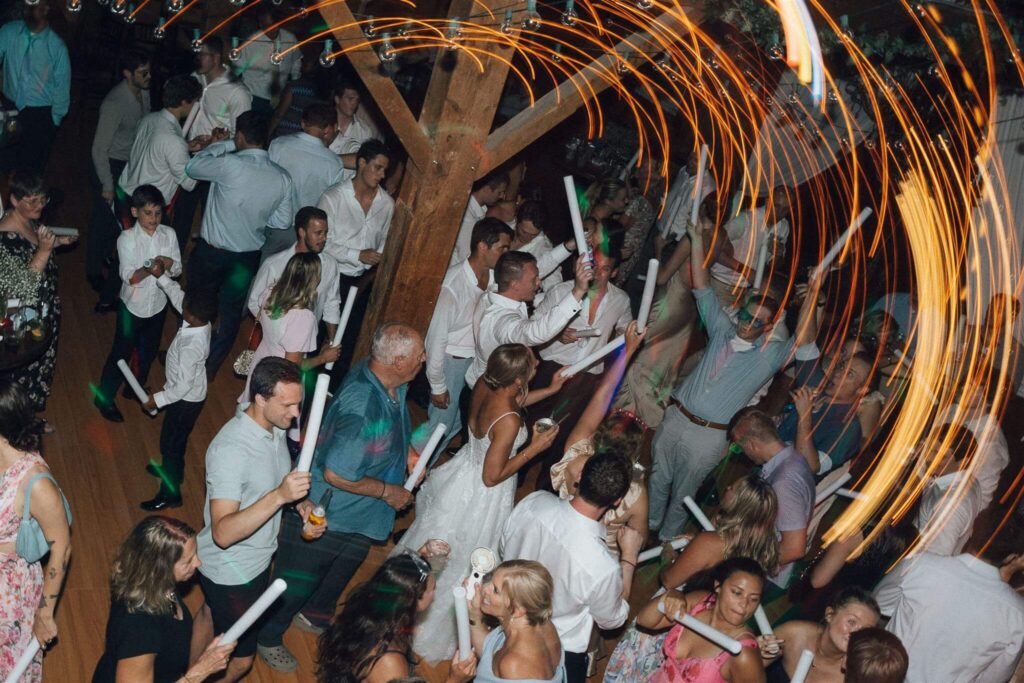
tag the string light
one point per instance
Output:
(159, 33)
(237, 3)
(234, 54)
(387, 50)
(129, 18)
(569, 16)
(197, 41)
(174, 6)
(403, 32)
(370, 27)
(327, 58)
(74, 6)
(531, 18)
(623, 63)
(775, 51)
(645, 4)
(453, 34)
(506, 25)
(31, 3)
(276, 57)
(557, 54)
(118, 7)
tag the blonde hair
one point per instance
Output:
(296, 288)
(142, 576)
(508, 363)
(747, 522)
(529, 586)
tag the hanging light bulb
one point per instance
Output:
(645, 4)
(237, 3)
(174, 6)
(453, 34)
(276, 57)
(129, 18)
(844, 27)
(370, 27)
(118, 7)
(387, 50)
(74, 6)
(234, 54)
(569, 16)
(556, 56)
(623, 63)
(870, 143)
(506, 24)
(102, 3)
(31, 3)
(276, 3)
(775, 52)
(403, 32)
(833, 96)
(531, 18)
(159, 33)
(326, 57)
(197, 41)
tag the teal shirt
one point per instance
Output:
(365, 433)
(37, 71)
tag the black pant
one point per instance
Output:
(228, 603)
(104, 228)
(228, 273)
(185, 205)
(317, 572)
(179, 420)
(575, 667)
(31, 149)
(132, 335)
(355, 324)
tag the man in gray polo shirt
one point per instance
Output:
(740, 357)
(247, 483)
(790, 477)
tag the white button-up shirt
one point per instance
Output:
(612, 316)
(328, 292)
(351, 229)
(475, 211)
(360, 130)
(223, 100)
(158, 157)
(549, 258)
(145, 298)
(499, 320)
(185, 367)
(313, 167)
(993, 455)
(256, 69)
(948, 512)
(451, 328)
(746, 232)
(960, 622)
(588, 579)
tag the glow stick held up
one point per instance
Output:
(832, 488)
(762, 260)
(576, 368)
(261, 605)
(21, 666)
(647, 300)
(847, 493)
(346, 313)
(698, 187)
(840, 243)
(193, 113)
(425, 456)
(763, 625)
(140, 393)
(316, 416)
(579, 234)
(462, 621)
(630, 166)
(698, 514)
(651, 553)
(803, 667)
(723, 641)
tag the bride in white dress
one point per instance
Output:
(466, 501)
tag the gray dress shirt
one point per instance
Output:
(120, 114)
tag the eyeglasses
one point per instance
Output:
(745, 317)
(37, 200)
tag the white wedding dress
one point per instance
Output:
(455, 506)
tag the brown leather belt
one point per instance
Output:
(699, 421)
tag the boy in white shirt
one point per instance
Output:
(184, 389)
(145, 252)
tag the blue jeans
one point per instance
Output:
(455, 380)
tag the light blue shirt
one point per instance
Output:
(311, 165)
(37, 71)
(247, 193)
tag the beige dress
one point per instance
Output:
(565, 478)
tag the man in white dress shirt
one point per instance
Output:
(679, 204)
(449, 341)
(311, 232)
(488, 191)
(567, 537)
(958, 617)
(354, 128)
(951, 499)
(530, 238)
(501, 317)
(359, 212)
(312, 166)
(264, 79)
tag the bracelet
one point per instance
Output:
(383, 489)
(631, 564)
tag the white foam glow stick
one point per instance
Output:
(578, 232)
(23, 662)
(763, 625)
(698, 514)
(840, 243)
(630, 166)
(700, 628)
(803, 667)
(648, 298)
(346, 313)
(762, 260)
(261, 605)
(576, 368)
(425, 455)
(462, 621)
(651, 553)
(832, 488)
(316, 416)
(847, 493)
(698, 187)
(193, 113)
(134, 384)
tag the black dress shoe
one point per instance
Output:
(161, 502)
(110, 412)
(102, 307)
